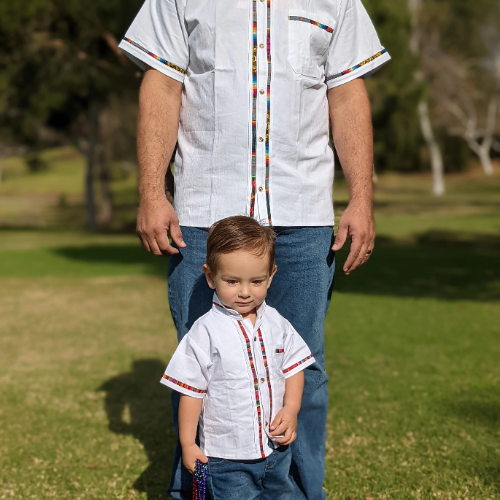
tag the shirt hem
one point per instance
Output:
(143, 60)
(182, 390)
(299, 368)
(364, 70)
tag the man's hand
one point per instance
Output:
(358, 224)
(157, 218)
(190, 454)
(285, 424)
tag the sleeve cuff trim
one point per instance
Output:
(184, 386)
(154, 56)
(354, 68)
(302, 361)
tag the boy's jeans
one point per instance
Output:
(300, 291)
(263, 479)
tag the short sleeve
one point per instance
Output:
(297, 355)
(157, 38)
(355, 49)
(188, 370)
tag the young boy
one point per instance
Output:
(239, 372)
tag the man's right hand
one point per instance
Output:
(155, 220)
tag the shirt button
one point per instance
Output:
(261, 45)
(261, 139)
(261, 91)
(255, 339)
(262, 381)
(261, 189)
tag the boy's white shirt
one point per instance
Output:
(239, 371)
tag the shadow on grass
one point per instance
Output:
(443, 265)
(137, 404)
(116, 254)
(480, 409)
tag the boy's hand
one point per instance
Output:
(190, 454)
(285, 423)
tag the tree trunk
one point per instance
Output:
(434, 151)
(485, 159)
(89, 173)
(106, 208)
(437, 168)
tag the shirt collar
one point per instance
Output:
(220, 307)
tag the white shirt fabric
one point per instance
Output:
(254, 121)
(239, 370)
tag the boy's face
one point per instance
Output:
(241, 281)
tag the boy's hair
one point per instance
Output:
(240, 233)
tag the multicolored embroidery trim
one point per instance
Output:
(254, 109)
(290, 368)
(264, 357)
(279, 351)
(185, 386)
(154, 56)
(268, 115)
(354, 68)
(310, 21)
(256, 386)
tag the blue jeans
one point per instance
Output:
(300, 291)
(262, 479)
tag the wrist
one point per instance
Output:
(188, 443)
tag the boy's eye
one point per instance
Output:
(258, 282)
(231, 282)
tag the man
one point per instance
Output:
(246, 88)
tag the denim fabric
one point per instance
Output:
(262, 479)
(300, 291)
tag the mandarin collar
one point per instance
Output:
(221, 308)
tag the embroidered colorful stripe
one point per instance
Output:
(290, 368)
(185, 386)
(264, 357)
(279, 351)
(154, 56)
(268, 114)
(354, 68)
(254, 109)
(310, 21)
(256, 387)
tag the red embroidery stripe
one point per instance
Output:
(256, 387)
(264, 357)
(185, 386)
(290, 368)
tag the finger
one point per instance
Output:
(164, 243)
(360, 259)
(340, 237)
(144, 242)
(277, 421)
(176, 234)
(368, 254)
(286, 437)
(356, 246)
(154, 248)
(292, 439)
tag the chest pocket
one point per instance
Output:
(308, 42)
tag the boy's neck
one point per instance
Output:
(251, 315)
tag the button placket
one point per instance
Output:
(261, 111)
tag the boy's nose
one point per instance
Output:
(244, 294)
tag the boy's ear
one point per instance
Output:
(208, 276)
(273, 272)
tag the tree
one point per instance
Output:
(62, 64)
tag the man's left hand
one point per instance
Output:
(358, 224)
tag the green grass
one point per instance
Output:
(412, 340)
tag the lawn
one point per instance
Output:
(413, 349)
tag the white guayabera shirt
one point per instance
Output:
(239, 370)
(254, 128)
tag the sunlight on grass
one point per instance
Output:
(412, 349)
